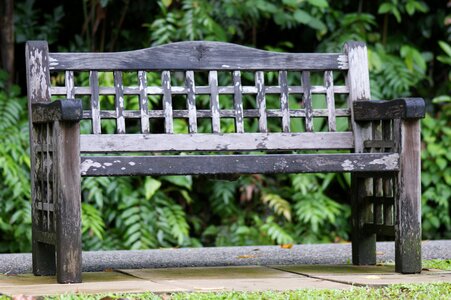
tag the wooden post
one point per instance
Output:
(408, 200)
(68, 200)
(357, 80)
(38, 86)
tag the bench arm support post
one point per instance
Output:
(408, 195)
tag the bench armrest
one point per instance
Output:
(60, 110)
(404, 108)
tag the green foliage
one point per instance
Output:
(15, 211)
(176, 211)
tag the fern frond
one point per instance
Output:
(278, 204)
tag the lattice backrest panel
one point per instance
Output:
(205, 85)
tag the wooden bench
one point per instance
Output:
(380, 147)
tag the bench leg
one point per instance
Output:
(43, 257)
(408, 200)
(363, 243)
(68, 232)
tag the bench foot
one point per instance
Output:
(363, 242)
(43, 257)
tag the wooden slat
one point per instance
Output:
(95, 105)
(167, 101)
(200, 90)
(330, 99)
(385, 230)
(215, 142)
(44, 237)
(44, 206)
(377, 206)
(378, 144)
(191, 102)
(230, 164)
(198, 55)
(238, 102)
(69, 80)
(214, 101)
(223, 113)
(284, 105)
(307, 99)
(261, 101)
(143, 102)
(119, 102)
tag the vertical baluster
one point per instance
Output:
(238, 102)
(191, 101)
(261, 101)
(307, 101)
(119, 102)
(143, 105)
(284, 105)
(330, 99)
(47, 174)
(167, 101)
(214, 101)
(70, 86)
(95, 110)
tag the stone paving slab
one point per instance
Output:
(373, 276)
(244, 278)
(93, 283)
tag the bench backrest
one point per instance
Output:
(207, 71)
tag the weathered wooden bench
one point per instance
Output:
(380, 147)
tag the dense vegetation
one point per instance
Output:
(409, 54)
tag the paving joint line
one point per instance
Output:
(331, 280)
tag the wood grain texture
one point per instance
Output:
(358, 83)
(119, 102)
(261, 101)
(233, 164)
(200, 90)
(307, 100)
(330, 99)
(68, 202)
(408, 204)
(69, 80)
(214, 102)
(284, 104)
(143, 102)
(238, 102)
(191, 102)
(405, 108)
(95, 104)
(215, 142)
(223, 113)
(198, 55)
(38, 90)
(59, 110)
(167, 101)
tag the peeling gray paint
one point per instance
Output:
(390, 161)
(87, 164)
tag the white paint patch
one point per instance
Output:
(122, 168)
(347, 165)
(225, 66)
(107, 164)
(390, 161)
(131, 163)
(87, 164)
